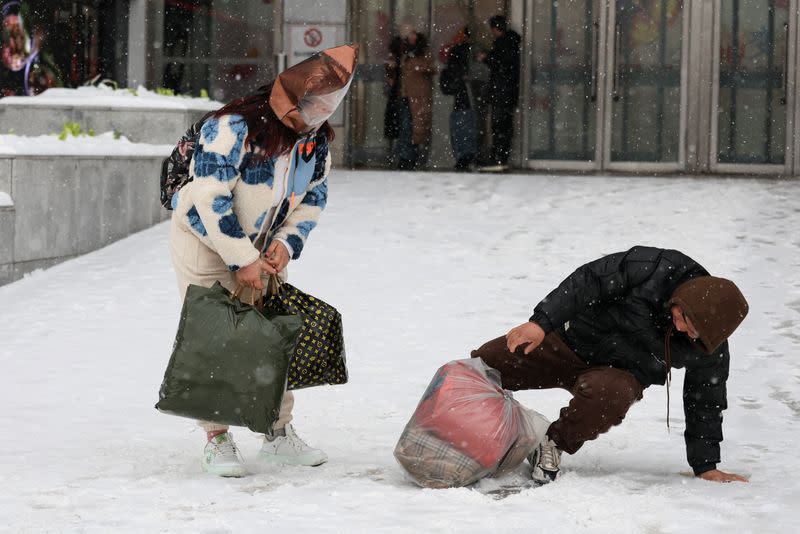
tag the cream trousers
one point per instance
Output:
(195, 263)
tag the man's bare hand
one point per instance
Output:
(529, 332)
(715, 475)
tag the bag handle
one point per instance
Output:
(274, 285)
(238, 291)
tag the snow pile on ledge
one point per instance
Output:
(5, 200)
(104, 144)
(104, 96)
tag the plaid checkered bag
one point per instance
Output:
(319, 357)
(433, 463)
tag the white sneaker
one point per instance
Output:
(546, 462)
(290, 450)
(222, 458)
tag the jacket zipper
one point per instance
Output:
(285, 190)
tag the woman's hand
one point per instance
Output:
(529, 332)
(715, 475)
(277, 256)
(250, 276)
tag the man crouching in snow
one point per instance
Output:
(611, 329)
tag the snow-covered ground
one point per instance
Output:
(424, 267)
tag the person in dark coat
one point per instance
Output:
(391, 116)
(613, 328)
(453, 81)
(503, 91)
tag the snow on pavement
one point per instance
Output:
(424, 268)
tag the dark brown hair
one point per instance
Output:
(264, 130)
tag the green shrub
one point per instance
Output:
(74, 129)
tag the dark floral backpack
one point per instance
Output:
(175, 168)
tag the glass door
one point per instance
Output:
(374, 25)
(564, 96)
(644, 123)
(606, 84)
(371, 28)
(753, 93)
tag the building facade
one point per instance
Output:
(662, 86)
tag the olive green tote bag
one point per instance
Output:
(229, 362)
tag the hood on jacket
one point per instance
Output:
(715, 306)
(304, 96)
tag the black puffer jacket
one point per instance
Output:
(614, 311)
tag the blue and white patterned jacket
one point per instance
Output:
(232, 191)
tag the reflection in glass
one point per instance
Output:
(372, 29)
(646, 80)
(373, 24)
(562, 101)
(222, 46)
(751, 109)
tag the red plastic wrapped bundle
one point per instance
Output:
(467, 427)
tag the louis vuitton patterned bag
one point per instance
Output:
(319, 357)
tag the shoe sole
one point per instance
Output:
(286, 460)
(544, 477)
(227, 472)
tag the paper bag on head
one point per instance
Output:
(304, 96)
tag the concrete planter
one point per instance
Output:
(139, 125)
(147, 118)
(66, 205)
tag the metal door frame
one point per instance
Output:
(794, 40)
(527, 67)
(639, 166)
(792, 148)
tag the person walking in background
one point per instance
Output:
(415, 89)
(392, 112)
(503, 91)
(454, 80)
(611, 329)
(259, 184)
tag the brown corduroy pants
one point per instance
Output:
(602, 395)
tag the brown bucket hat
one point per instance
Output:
(715, 306)
(304, 96)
